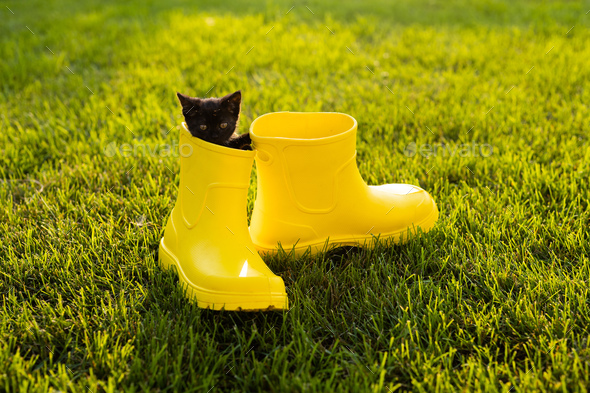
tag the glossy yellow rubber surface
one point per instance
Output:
(206, 239)
(311, 194)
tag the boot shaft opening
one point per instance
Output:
(302, 125)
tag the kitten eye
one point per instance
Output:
(203, 127)
(223, 125)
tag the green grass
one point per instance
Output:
(495, 298)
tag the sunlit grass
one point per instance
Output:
(485, 105)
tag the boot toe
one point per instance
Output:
(426, 212)
(240, 293)
(400, 189)
(412, 207)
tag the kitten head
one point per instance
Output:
(212, 119)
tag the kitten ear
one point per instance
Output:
(186, 101)
(232, 102)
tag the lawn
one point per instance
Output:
(484, 104)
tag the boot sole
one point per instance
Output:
(216, 300)
(362, 241)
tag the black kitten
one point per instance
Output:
(215, 119)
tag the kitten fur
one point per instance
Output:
(215, 119)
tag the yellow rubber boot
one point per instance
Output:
(311, 194)
(206, 239)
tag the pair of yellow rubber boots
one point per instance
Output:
(310, 195)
